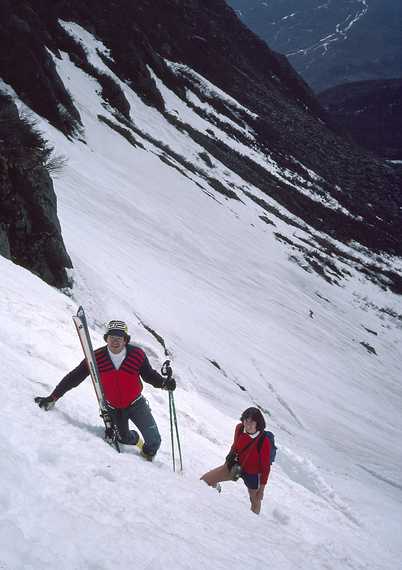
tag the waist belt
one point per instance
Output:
(109, 405)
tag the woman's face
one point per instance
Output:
(250, 425)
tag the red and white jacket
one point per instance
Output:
(251, 459)
(121, 387)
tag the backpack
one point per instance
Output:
(271, 438)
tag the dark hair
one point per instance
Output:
(256, 415)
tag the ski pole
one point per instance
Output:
(171, 430)
(167, 371)
(177, 432)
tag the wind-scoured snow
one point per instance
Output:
(313, 191)
(208, 87)
(182, 143)
(243, 327)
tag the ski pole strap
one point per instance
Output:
(166, 369)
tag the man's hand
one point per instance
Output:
(46, 403)
(169, 384)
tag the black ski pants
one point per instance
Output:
(140, 414)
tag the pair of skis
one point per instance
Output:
(111, 431)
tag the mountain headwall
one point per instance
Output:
(288, 124)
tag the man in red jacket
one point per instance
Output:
(121, 366)
(252, 450)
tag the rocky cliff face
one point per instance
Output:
(29, 228)
(26, 65)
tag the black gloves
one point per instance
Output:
(45, 403)
(169, 384)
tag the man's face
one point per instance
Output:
(115, 343)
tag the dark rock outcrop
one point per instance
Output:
(30, 232)
(27, 66)
(370, 112)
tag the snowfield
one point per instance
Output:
(243, 326)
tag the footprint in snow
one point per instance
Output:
(281, 517)
(105, 474)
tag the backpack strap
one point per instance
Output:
(259, 446)
(250, 443)
(270, 436)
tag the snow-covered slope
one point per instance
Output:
(156, 248)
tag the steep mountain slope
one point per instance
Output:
(285, 121)
(371, 112)
(330, 42)
(171, 225)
